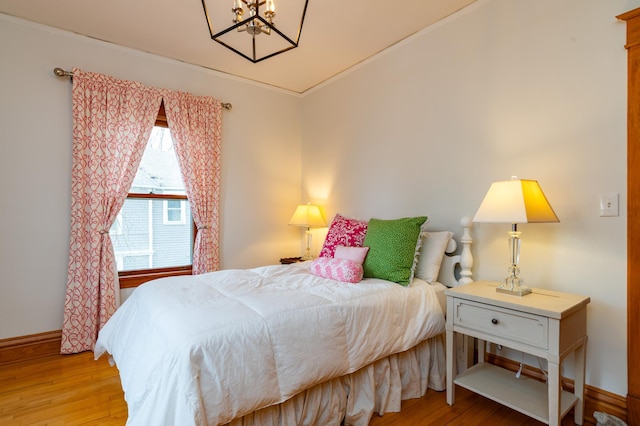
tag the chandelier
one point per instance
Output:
(255, 32)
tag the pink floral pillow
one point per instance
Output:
(343, 232)
(344, 270)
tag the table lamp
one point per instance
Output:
(310, 216)
(515, 201)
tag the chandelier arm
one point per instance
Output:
(206, 15)
(280, 33)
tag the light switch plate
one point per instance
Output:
(609, 204)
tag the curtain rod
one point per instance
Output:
(62, 73)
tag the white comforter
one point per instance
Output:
(204, 349)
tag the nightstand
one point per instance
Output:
(545, 323)
(289, 260)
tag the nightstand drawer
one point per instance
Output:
(517, 326)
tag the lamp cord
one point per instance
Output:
(544, 373)
(519, 372)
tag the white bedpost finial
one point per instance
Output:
(466, 258)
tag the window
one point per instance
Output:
(173, 212)
(154, 232)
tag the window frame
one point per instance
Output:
(133, 278)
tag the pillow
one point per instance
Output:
(432, 252)
(344, 270)
(343, 231)
(357, 254)
(393, 247)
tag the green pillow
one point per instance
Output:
(392, 248)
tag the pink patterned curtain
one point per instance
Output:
(112, 121)
(195, 124)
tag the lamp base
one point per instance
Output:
(513, 285)
(307, 253)
(516, 291)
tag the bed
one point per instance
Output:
(280, 345)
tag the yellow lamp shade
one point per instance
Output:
(515, 201)
(308, 215)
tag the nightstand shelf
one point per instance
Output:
(526, 395)
(546, 324)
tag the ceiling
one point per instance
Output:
(337, 34)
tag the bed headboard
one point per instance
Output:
(456, 268)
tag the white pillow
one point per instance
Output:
(431, 254)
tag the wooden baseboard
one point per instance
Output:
(30, 347)
(594, 399)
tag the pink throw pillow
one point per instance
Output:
(344, 270)
(343, 231)
(357, 254)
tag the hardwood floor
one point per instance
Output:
(75, 390)
(61, 390)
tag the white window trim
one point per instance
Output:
(165, 214)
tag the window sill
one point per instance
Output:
(134, 279)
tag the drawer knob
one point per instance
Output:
(494, 321)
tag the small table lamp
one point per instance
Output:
(515, 201)
(310, 216)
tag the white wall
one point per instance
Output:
(535, 89)
(260, 163)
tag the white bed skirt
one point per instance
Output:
(376, 388)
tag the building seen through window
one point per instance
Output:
(154, 229)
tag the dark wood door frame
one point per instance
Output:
(633, 214)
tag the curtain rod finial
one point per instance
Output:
(62, 73)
